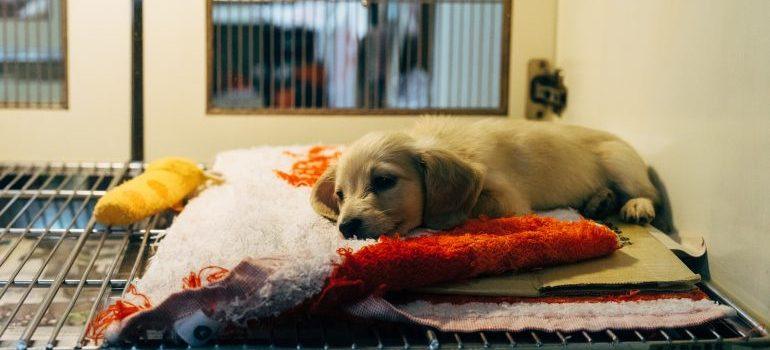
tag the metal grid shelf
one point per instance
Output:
(58, 268)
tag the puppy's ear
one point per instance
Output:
(322, 197)
(452, 187)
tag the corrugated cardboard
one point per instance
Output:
(642, 263)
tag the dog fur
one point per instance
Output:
(442, 171)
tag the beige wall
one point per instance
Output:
(175, 68)
(688, 83)
(96, 125)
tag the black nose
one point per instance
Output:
(350, 227)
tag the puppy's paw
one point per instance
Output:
(600, 205)
(638, 210)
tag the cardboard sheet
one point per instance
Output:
(643, 263)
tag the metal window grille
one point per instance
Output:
(58, 268)
(353, 57)
(33, 54)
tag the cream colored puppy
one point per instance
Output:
(442, 171)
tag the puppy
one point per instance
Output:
(442, 172)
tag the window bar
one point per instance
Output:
(12, 279)
(47, 259)
(56, 285)
(479, 39)
(364, 52)
(4, 76)
(26, 62)
(407, 56)
(490, 65)
(73, 299)
(282, 53)
(49, 74)
(431, 14)
(291, 55)
(39, 63)
(15, 53)
(302, 83)
(467, 37)
(229, 49)
(452, 77)
(240, 70)
(261, 55)
(217, 32)
(316, 52)
(273, 56)
(250, 22)
(24, 187)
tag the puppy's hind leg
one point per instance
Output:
(628, 173)
(600, 205)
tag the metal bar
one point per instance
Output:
(16, 68)
(459, 341)
(466, 96)
(716, 334)
(103, 288)
(250, 47)
(40, 270)
(31, 221)
(510, 339)
(745, 334)
(229, 49)
(665, 335)
(376, 333)
(433, 343)
(479, 40)
(537, 340)
(26, 185)
(73, 298)
(561, 338)
(140, 254)
(689, 334)
(35, 321)
(613, 337)
(639, 335)
(273, 54)
(403, 337)
(217, 29)
(54, 233)
(28, 193)
(484, 340)
(137, 82)
(490, 64)
(588, 337)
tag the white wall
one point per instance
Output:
(688, 83)
(175, 77)
(95, 127)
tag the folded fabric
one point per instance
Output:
(252, 248)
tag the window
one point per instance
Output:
(349, 57)
(32, 54)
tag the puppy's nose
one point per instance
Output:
(350, 227)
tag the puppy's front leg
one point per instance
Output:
(493, 205)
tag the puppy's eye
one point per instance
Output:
(340, 195)
(382, 183)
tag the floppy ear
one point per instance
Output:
(322, 197)
(452, 187)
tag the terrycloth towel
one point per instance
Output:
(282, 256)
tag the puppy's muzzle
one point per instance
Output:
(350, 227)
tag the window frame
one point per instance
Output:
(63, 104)
(501, 111)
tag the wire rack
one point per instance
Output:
(58, 268)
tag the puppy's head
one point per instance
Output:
(385, 184)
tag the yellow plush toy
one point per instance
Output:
(164, 184)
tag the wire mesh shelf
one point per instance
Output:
(58, 268)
